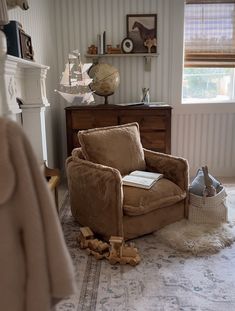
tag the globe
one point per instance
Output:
(105, 80)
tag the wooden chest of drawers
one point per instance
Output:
(154, 122)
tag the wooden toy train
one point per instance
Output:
(115, 252)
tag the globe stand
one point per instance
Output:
(106, 98)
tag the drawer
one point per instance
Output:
(155, 141)
(155, 124)
(88, 119)
(146, 122)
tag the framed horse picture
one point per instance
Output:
(142, 30)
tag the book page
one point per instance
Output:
(138, 181)
(146, 174)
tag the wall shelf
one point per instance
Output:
(147, 57)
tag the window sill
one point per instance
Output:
(195, 108)
(208, 103)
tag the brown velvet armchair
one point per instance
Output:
(99, 199)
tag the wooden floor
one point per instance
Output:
(62, 190)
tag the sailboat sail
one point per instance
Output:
(65, 75)
(86, 67)
(84, 82)
(75, 81)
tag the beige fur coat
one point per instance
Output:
(35, 266)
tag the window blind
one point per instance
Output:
(209, 33)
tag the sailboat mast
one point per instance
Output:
(80, 65)
(69, 75)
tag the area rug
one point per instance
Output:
(165, 280)
(186, 236)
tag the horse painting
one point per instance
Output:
(145, 33)
(142, 30)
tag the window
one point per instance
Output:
(209, 45)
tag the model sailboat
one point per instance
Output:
(74, 84)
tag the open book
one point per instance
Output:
(141, 179)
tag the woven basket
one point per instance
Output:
(208, 210)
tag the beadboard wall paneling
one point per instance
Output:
(206, 139)
(78, 22)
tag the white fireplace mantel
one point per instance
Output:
(25, 81)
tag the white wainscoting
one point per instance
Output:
(205, 139)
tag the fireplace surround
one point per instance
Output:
(24, 81)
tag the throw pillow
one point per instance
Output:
(115, 146)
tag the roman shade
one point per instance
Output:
(209, 33)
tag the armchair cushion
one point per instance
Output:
(138, 201)
(115, 146)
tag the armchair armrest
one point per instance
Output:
(173, 168)
(96, 196)
(77, 152)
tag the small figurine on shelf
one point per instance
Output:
(92, 49)
(114, 50)
(145, 95)
(149, 43)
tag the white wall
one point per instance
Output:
(38, 22)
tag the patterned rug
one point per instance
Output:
(165, 279)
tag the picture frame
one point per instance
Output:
(142, 30)
(26, 46)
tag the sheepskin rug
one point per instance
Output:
(201, 238)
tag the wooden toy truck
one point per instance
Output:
(122, 253)
(116, 252)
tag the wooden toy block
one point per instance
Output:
(85, 235)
